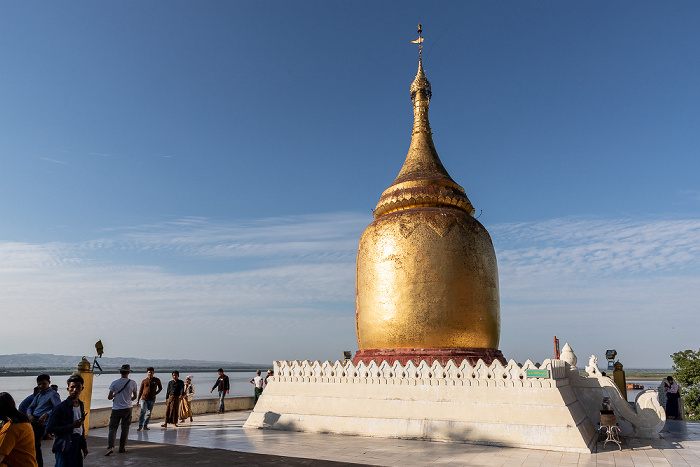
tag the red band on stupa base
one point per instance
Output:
(429, 355)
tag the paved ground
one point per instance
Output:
(221, 440)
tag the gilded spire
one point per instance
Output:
(420, 95)
(423, 180)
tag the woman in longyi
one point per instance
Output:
(185, 405)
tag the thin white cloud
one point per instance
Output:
(330, 237)
(54, 161)
(599, 247)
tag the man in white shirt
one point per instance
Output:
(258, 382)
(122, 393)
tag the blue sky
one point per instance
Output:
(191, 179)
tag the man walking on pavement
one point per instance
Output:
(40, 410)
(150, 388)
(122, 393)
(222, 384)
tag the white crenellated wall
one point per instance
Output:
(424, 374)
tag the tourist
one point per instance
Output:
(222, 384)
(66, 422)
(267, 376)
(24, 405)
(40, 410)
(173, 396)
(186, 404)
(16, 435)
(122, 393)
(672, 396)
(258, 383)
(150, 388)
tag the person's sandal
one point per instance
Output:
(109, 452)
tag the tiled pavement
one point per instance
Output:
(222, 434)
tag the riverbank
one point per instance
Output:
(647, 375)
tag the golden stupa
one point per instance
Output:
(427, 279)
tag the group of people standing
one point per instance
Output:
(39, 414)
(43, 413)
(123, 391)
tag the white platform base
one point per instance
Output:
(481, 404)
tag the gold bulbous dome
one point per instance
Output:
(426, 269)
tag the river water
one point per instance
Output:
(21, 386)
(648, 384)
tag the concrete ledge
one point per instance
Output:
(100, 417)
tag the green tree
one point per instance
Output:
(687, 374)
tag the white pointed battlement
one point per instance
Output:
(452, 374)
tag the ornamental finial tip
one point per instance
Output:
(419, 41)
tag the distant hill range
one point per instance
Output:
(50, 361)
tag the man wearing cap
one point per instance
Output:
(122, 393)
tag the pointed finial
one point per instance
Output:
(423, 180)
(419, 41)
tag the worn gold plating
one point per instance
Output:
(426, 269)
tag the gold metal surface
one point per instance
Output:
(86, 394)
(423, 180)
(426, 269)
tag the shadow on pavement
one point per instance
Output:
(151, 454)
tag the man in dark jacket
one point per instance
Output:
(66, 424)
(222, 384)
